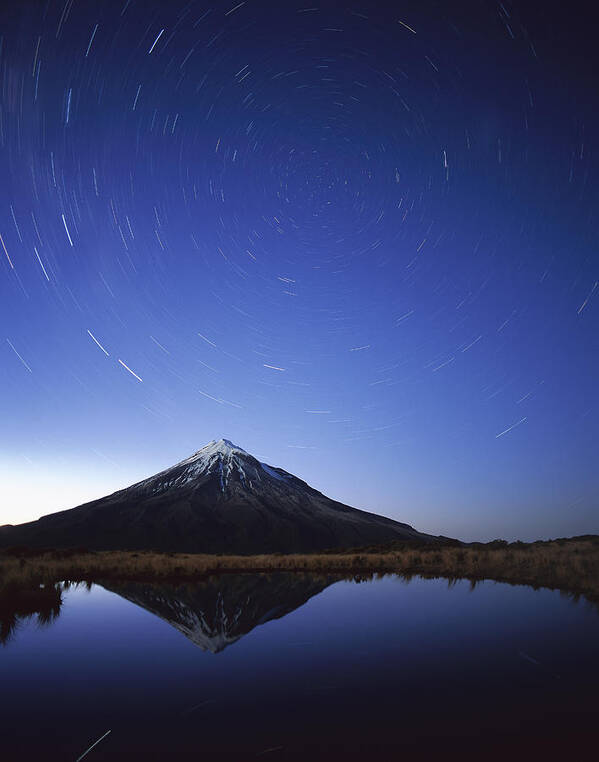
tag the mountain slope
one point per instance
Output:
(220, 500)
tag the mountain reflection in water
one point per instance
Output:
(217, 612)
(213, 613)
(381, 670)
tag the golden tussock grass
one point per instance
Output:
(570, 565)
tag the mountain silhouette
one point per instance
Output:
(219, 500)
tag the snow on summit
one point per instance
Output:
(221, 499)
(222, 446)
(219, 458)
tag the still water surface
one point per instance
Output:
(293, 667)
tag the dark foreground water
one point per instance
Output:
(291, 667)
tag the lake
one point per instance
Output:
(298, 667)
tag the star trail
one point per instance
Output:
(359, 241)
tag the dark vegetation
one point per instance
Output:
(18, 603)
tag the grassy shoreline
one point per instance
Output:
(570, 565)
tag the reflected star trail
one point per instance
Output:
(359, 241)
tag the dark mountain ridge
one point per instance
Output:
(219, 500)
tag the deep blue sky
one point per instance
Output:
(359, 241)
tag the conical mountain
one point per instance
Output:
(219, 500)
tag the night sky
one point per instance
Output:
(360, 241)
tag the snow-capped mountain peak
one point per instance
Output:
(222, 446)
(219, 500)
(221, 460)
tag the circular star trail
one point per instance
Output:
(360, 241)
